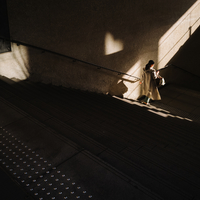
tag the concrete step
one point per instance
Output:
(85, 101)
(181, 131)
(61, 115)
(53, 123)
(184, 147)
(65, 129)
(167, 145)
(125, 116)
(37, 141)
(47, 165)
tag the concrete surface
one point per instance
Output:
(58, 143)
(143, 30)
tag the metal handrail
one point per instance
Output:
(168, 65)
(69, 57)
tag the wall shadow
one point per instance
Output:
(4, 28)
(187, 59)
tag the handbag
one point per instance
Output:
(160, 81)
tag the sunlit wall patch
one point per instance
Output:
(112, 45)
(16, 63)
(178, 34)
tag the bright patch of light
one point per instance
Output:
(178, 34)
(153, 109)
(159, 113)
(112, 45)
(15, 64)
(133, 89)
(135, 70)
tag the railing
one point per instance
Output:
(91, 64)
(172, 65)
(69, 57)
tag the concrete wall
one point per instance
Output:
(186, 64)
(120, 35)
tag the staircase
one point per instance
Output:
(84, 145)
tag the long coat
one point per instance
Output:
(149, 87)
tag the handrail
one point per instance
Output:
(168, 65)
(69, 57)
(183, 18)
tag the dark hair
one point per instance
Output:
(148, 65)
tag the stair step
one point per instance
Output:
(154, 144)
(93, 122)
(54, 151)
(115, 133)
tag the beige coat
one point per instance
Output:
(149, 87)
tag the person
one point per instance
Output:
(149, 88)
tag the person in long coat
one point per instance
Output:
(149, 88)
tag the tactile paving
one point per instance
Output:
(33, 172)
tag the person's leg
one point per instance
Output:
(146, 100)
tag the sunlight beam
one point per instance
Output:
(133, 89)
(178, 34)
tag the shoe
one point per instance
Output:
(148, 104)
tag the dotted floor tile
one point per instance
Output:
(35, 173)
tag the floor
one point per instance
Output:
(38, 162)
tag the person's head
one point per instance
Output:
(149, 65)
